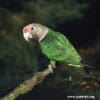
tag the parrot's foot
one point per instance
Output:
(51, 67)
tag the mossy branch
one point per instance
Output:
(27, 85)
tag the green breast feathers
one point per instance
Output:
(57, 47)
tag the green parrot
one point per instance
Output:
(54, 45)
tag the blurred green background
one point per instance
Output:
(79, 20)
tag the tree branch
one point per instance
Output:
(27, 85)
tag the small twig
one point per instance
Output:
(27, 85)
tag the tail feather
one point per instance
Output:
(87, 73)
(89, 66)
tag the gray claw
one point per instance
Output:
(50, 68)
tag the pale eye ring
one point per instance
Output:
(32, 28)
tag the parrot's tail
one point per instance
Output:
(86, 71)
(91, 74)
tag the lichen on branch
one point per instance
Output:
(27, 85)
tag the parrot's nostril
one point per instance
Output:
(25, 29)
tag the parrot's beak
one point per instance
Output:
(27, 36)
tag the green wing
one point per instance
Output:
(57, 47)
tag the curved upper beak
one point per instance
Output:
(27, 36)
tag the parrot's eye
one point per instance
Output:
(32, 28)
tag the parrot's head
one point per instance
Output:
(35, 31)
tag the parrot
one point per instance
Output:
(55, 46)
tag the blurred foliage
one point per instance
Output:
(19, 60)
(16, 57)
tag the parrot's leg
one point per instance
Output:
(52, 65)
(50, 68)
